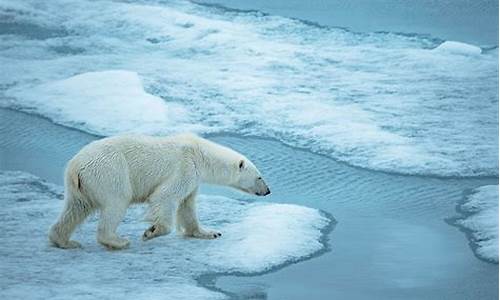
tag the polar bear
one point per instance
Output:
(112, 173)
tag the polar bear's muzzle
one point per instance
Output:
(267, 192)
(261, 188)
(258, 188)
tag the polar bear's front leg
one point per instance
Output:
(162, 205)
(187, 221)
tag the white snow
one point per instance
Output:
(256, 237)
(481, 209)
(383, 101)
(106, 102)
(249, 253)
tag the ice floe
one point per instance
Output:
(107, 102)
(480, 218)
(399, 103)
(459, 48)
(256, 237)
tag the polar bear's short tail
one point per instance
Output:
(76, 208)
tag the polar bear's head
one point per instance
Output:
(249, 179)
(220, 165)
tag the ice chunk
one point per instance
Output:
(267, 240)
(256, 237)
(458, 48)
(481, 218)
(106, 102)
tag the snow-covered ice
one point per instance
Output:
(400, 103)
(107, 102)
(481, 219)
(256, 237)
(458, 48)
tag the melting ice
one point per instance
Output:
(481, 219)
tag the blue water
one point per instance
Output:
(474, 22)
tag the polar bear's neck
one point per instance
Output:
(215, 164)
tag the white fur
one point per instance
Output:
(165, 172)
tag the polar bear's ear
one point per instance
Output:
(242, 164)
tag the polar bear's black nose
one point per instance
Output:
(267, 192)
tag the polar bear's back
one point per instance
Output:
(128, 165)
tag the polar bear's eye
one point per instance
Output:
(259, 178)
(242, 164)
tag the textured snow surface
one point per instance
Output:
(256, 237)
(481, 209)
(107, 102)
(459, 48)
(400, 103)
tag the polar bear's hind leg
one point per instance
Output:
(75, 212)
(109, 219)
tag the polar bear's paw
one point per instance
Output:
(115, 243)
(72, 245)
(205, 234)
(55, 239)
(155, 231)
(67, 244)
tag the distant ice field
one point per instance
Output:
(257, 237)
(399, 103)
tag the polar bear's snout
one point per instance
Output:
(261, 187)
(249, 179)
